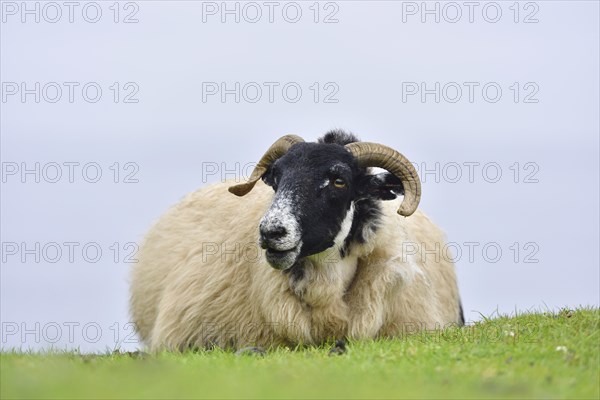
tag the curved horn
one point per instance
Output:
(378, 155)
(277, 149)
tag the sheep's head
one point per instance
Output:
(316, 188)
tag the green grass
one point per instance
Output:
(548, 355)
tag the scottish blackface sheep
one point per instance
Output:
(314, 246)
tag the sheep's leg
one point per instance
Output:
(338, 348)
(251, 351)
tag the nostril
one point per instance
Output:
(277, 232)
(273, 233)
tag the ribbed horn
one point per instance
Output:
(277, 150)
(378, 155)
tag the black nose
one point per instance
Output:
(272, 233)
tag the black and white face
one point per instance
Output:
(316, 186)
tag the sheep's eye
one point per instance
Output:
(339, 183)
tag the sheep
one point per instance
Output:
(311, 248)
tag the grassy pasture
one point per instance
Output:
(532, 355)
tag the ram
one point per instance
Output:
(312, 247)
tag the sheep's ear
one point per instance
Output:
(384, 186)
(268, 177)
